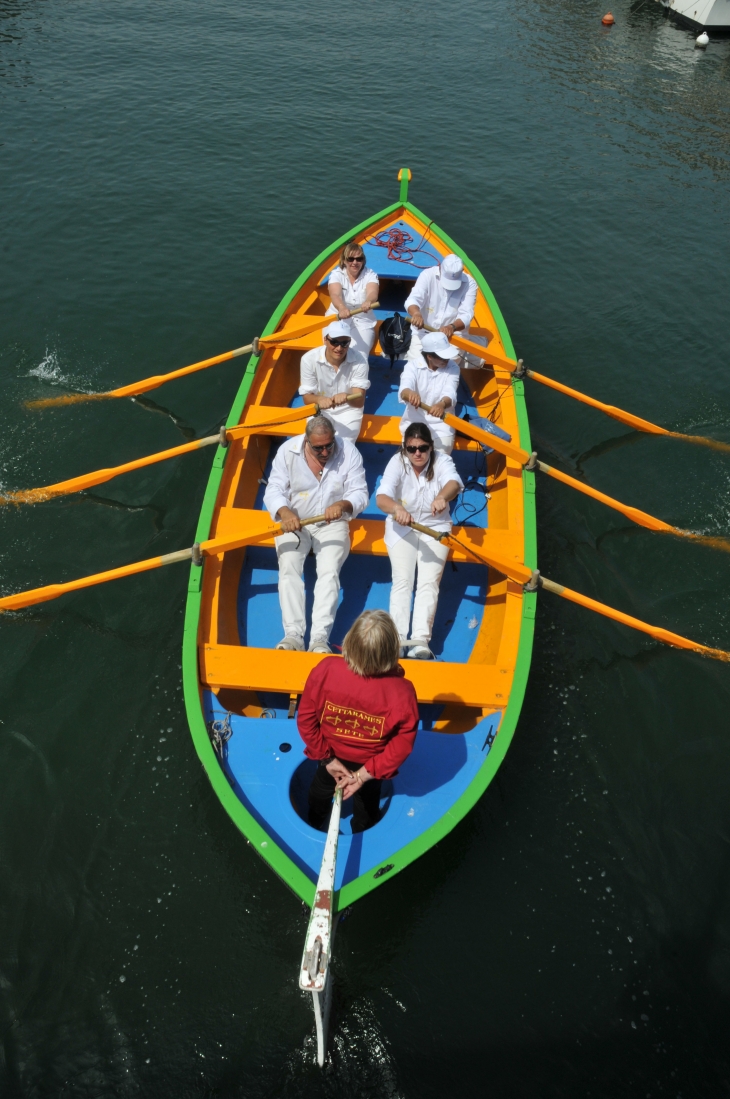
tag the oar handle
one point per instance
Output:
(359, 309)
(439, 535)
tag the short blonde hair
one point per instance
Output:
(372, 644)
(352, 248)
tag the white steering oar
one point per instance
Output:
(314, 975)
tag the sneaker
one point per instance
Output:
(420, 651)
(291, 644)
(319, 645)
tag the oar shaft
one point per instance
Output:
(482, 352)
(642, 518)
(635, 514)
(53, 591)
(157, 380)
(479, 349)
(99, 476)
(657, 632)
(514, 569)
(210, 548)
(284, 336)
(494, 441)
(609, 409)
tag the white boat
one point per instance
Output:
(711, 15)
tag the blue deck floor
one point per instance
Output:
(265, 762)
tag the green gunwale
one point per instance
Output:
(253, 832)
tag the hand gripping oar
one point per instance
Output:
(258, 344)
(99, 476)
(314, 974)
(530, 463)
(518, 369)
(195, 554)
(516, 571)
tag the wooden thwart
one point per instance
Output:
(250, 669)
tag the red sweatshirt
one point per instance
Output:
(369, 720)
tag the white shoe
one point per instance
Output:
(319, 645)
(420, 651)
(291, 644)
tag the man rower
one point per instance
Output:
(331, 374)
(444, 298)
(314, 474)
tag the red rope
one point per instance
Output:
(400, 246)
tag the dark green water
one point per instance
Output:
(166, 171)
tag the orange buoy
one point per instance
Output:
(608, 20)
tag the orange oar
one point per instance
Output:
(274, 340)
(657, 632)
(201, 549)
(99, 476)
(516, 571)
(626, 417)
(519, 370)
(530, 462)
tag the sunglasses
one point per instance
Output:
(355, 259)
(324, 446)
(418, 449)
(339, 343)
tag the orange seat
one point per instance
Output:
(249, 669)
(374, 429)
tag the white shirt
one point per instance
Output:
(292, 483)
(354, 293)
(439, 306)
(416, 493)
(318, 376)
(431, 386)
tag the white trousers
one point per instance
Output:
(331, 545)
(416, 551)
(346, 421)
(362, 338)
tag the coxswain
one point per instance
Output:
(358, 718)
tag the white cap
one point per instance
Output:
(338, 329)
(437, 343)
(452, 270)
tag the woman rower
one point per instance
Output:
(431, 379)
(418, 484)
(353, 284)
(358, 717)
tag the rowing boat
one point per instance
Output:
(241, 694)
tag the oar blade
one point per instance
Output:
(68, 398)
